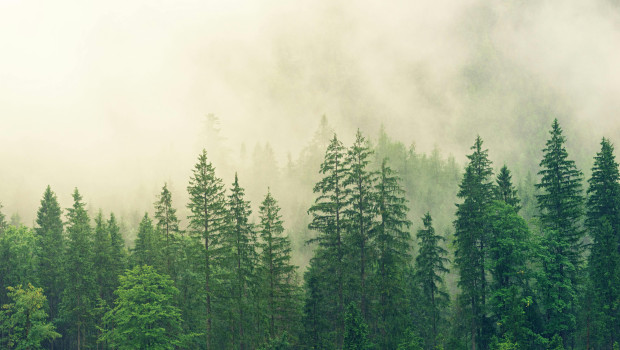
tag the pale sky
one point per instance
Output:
(110, 96)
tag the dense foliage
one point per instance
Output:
(493, 264)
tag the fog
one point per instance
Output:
(112, 96)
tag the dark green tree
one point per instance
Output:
(359, 215)
(327, 265)
(167, 225)
(430, 268)
(144, 315)
(279, 280)
(356, 330)
(560, 204)
(146, 250)
(3, 223)
(79, 295)
(118, 253)
(392, 259)
(603, 223)
(50, 246)
(476, 191)
(207, 221)
(505, 190)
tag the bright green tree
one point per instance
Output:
(392, 259)
(79, 296)
(207, 223)
(603, 223)
(144, 315)
(476, 191)
(430, 266)
(18, 261)
(560, 204)
(25, 320)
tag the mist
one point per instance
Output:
(113, 97)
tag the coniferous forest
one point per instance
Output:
(395, 250)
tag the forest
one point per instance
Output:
(396, 250)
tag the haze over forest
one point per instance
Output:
(111, 96)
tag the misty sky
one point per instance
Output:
(111, 96)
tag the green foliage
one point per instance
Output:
(144, 315)
(25, 320)
(356, 330)
(79, 296)
(560, 205)
(167, 225)
(411, 342)
(18, 261)
(147, 247)
(471, 236)
(278, 343)
(505, 191)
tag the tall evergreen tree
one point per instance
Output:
(476, 190)
(207, 220)
(118, 254)
(146, 249)
(393, 258)
(279, 273)
(505, 190)
(359, 217)
(603, 223)
(430, 266)
(50, 245)
(327, 265)
(560, 204)
(241, 243)
(79, 294)
(356, 330)
(167, 225)
(3, 223)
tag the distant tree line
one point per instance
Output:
(534, 267)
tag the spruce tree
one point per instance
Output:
(356, 330)
(167, 225)
(278, 272)
(207, 221)
(3, 223)
(505, 190)
(429, 267)
(79, 294)
(50, 245)
(117, 251)
(146, 250)
(560, 205)
(603, 223)
(241, 245)
(327, 265)
(393, 258)
(476, 191)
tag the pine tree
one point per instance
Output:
(146, 249)
(356, 330)
(393, 258)
(50, 246)
(3, 223)
(240, 242)
(167, 225)
(476, 190)
(327, 265)
(429, 267)
(603, 223)
(360, 217)
(118, 254)
(207, 221)
(278, 272)
(79, 294)
(560, 205)
(505, 191)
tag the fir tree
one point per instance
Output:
(360, 217)
(118, 254)
(603, 223)
(430, 266)
(476, 190)
(167, 225)
(79, 294)
(50, 246)
(356, 330)
(505, 191)
(207, 220)
(146, 249)
(279, 274)
(560, 205)
(393, 258)
(328, 220)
